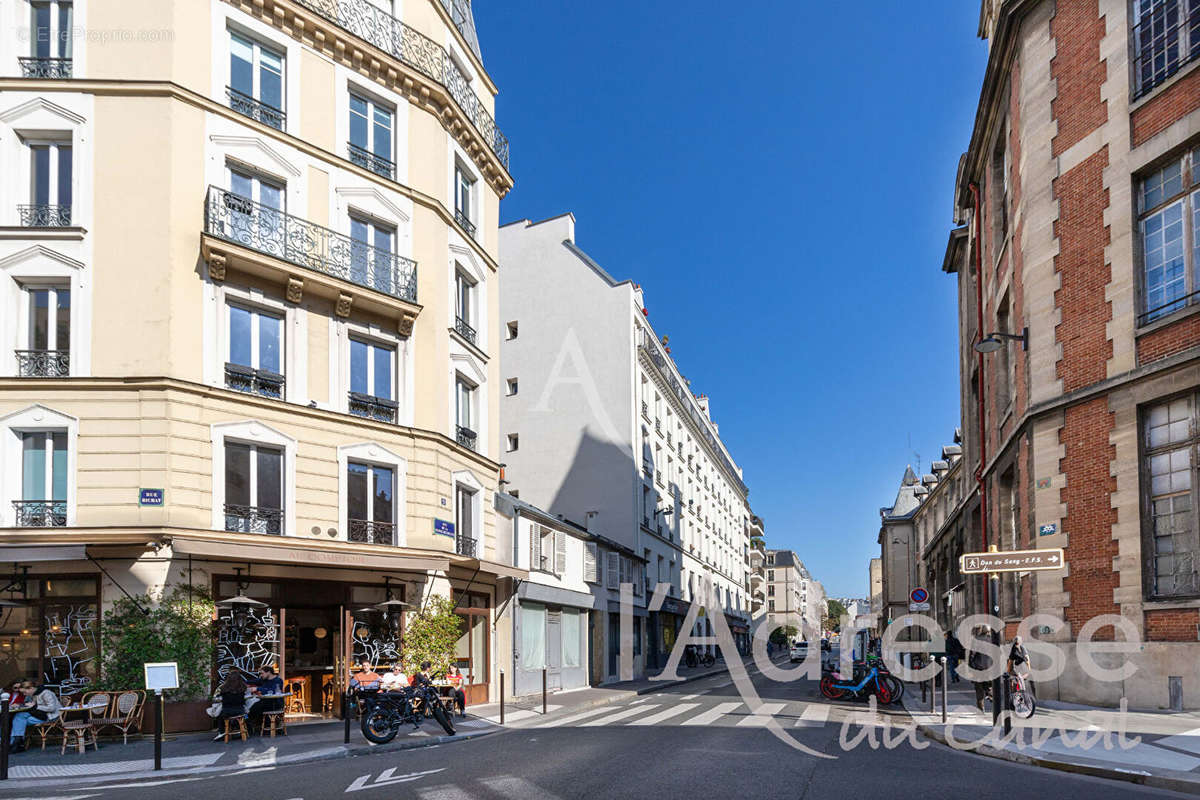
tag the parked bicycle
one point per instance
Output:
(384, 712)
(871, 682)
(693, 659)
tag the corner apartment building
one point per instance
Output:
(600, 427)
(1079, 204)
(792, 593)
(248, 261)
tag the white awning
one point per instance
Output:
(277, 550)
(56, 552)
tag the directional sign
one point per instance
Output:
(918, 596)
(1012, 561)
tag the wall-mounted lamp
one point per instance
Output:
(994, 341)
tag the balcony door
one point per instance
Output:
(371, 503)
(48, 336)
(253, 488)
(51, 28)
(43, 500)
(256, 208)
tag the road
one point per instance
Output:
(697, 740)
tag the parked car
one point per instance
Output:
(799, 651)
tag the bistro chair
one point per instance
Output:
(124, 714)
(45, 730)
(240, 719)
(296, 701)
(82, 731)
(273, 721)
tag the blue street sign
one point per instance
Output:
(150, 497)
(443, 528)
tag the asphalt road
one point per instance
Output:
(698, 740)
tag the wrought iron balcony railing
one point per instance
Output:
(43, 363)
(466, 437)
(367, 531)
(240, 220)
(44, 215)
(40, 513)
(464, 329)
(462, 219)
(465, 546)
(241, 378)
(1164, 40)
(253, 519)
(368, 160)
(370, 407)
(374, 25)
(247, 106)
(36, 67)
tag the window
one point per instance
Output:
(48, 335)
(464, 403)
(1004, 364)
(372, 380)
(254, 362)
(51, 33)
(255, 205)
(464, 185)
(999, 188)
(50, 187)
(373, 254)
(1166, 35)
(512, 386)
(465, 527)
(514, 442)
(464, 306)
(1170, 439)
(512, 330)
(253, 488)
(256, 81)
(770, 605)
(370, 143)
(533, 636)
(571, 641)
(591, 563)
(43, 500)
(1169, 205)
(370, 503)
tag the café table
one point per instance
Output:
(83, 727)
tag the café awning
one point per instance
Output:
(313, 553)
(34, 553)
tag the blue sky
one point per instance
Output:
(780, 182)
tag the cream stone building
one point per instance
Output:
(248, 289)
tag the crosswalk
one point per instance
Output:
(696, 712)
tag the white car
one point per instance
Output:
(799, 651)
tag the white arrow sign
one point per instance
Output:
(387, 778)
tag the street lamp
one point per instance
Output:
(240, 605)
(994, 341)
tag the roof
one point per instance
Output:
(464, 20)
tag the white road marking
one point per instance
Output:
(574, 718)
(712, 715)
(760, 718)
(620, 715)
(447, 792)
(509, 786)
(815, 715)
(1188, 740)
(674, 711)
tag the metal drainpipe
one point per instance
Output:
(983, 517)
(516, 604)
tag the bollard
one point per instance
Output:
(945, 686)
(543, 691)
(346, 716)
(1007, 714)
(501, 697)
(158, 730)
(4, 723)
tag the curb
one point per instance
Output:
(323, 754)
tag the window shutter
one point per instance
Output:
(590, 567)
(535, 546)
(560, 552)
(613, 569)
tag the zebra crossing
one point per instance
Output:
(726, 713)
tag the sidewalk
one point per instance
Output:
(1159, 749)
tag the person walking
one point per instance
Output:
(980, 661)
(955, 652)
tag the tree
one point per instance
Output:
(783, 634)
(834, 612)
(431, 636)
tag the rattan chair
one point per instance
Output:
(83, 732)
(274, 721)
(240, 719)
(124, 713)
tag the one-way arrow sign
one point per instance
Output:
(1012, 561)
(387, 778)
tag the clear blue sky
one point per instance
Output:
(780, 183)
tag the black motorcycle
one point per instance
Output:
(384, 712)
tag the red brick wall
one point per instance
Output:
(1169, 340)
(1082, 237)
(1174, 625)
(1078, 71)
(1166, 107)
(1090, 516)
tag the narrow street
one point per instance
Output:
(715, 748)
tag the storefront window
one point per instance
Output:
(55, 642)
(533, 636)
(570, 638)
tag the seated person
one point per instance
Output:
(365, 677)
(424, 673)
(233, 699)
(455, 677)
(39, 705)
(393, 679)
(266, 683)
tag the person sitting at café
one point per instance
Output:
(233, 698)
(393, 679)
(423, 673)
(37, 706)
(455, 677)
(268, 682)
(364, 677)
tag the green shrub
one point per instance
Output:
(430, 636)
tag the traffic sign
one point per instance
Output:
(918, 595)
(918, 606)
(1012, 561)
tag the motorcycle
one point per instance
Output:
(384, 712)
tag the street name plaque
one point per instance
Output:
(1012, 561)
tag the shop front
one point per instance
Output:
(49, 629)
(552, 635)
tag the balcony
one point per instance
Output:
(247, 106)
(44, 215)
(263, 382)
(365, 531)
(51, 68)
(465, 546)
(377, 27)
(1164, 41)
(239, 220)
(464, 329)
(368, 160)
(466, 437)
(646, 410)
(368, 406)
(462, 219)
(43, 363)
(253, 519)
(40, 513)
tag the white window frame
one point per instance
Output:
(467, 480)
(372, 106)
(252, 432)
(39, 267)
(341, 332)
(464, 185)
(25, 318)
(293, 364)
(374, 343)
(257, 45)
(1188, 201)
(57, 35)
(374, 454)
(463, 262)
(54, 143)
(36, 418)
(258, 311)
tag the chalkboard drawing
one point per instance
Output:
(373, 645)
(70, 640)
(246, 650)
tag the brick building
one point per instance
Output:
(1079, 206)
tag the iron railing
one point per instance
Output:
(465, 546)
(368, 160)
(44, 215)
(1164, 40)
(253, 519)
(241, 378)
(36, 67)
(462, 219)
(466, 437)
(247, 106)
(43, 363)
(377, 27)
(240, 220)
(1168, 308)
(367, 531)
(40, 513)
(464, 329)
(370, 407)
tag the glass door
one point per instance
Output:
(472, 649)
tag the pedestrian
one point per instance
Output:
(955, 652)
(980, 662)
(1017, 655)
